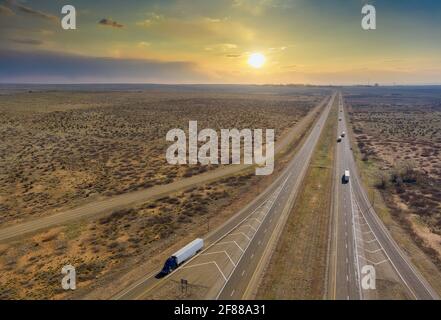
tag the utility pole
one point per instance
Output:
(184, 286)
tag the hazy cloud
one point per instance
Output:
(27, 41)
(32, 12)
(44, 66)
(110, 23)
(198, 29)
(6, 11)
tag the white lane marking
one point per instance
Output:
(256, 220)
(392, 242)
(252, 256)
(232, 292)
(258, 243)
(373, 262)
(260, 206)
(375, 251)
(205, 263)
(386, 232)
(358, 271)
(135, 285)
(275, 195)
(240, 233)
(248, 225)
(217, 252)
(243, 272)
(225, 242)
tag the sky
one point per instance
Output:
(210, 41)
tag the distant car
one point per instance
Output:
(339, 139)
(343, 134)
(339, 119)
(346, 176)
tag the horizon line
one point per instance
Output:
(226, 84)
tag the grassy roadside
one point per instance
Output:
(369, 171)
(297, 269)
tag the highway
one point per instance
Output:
(359, 237)
(235, 254)
(102, 206)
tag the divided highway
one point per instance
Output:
(230, 265)
(359, 237)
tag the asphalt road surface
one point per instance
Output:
(234, 253)
(359, 236)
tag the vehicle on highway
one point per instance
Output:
(346, 176)
(181, 256)
(339, 139)
(343, 134)
(339, 119)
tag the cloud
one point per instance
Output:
(152, 17)
(198, 29)
(27, 41)
(5, 11)
(221, 47)
(45, 66)
(259, 7)
(144, 44)
(32, 12)
(110, 23)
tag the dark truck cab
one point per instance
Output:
(169, 265)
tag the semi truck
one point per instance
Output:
(182, 255)
(346, 176)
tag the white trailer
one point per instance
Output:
(181, 256)
(346, 176)
(188, 251)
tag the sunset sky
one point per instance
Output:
(210, 41)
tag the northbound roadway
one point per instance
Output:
(359, 237)
(229, 266)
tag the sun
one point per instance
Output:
(256, 60)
